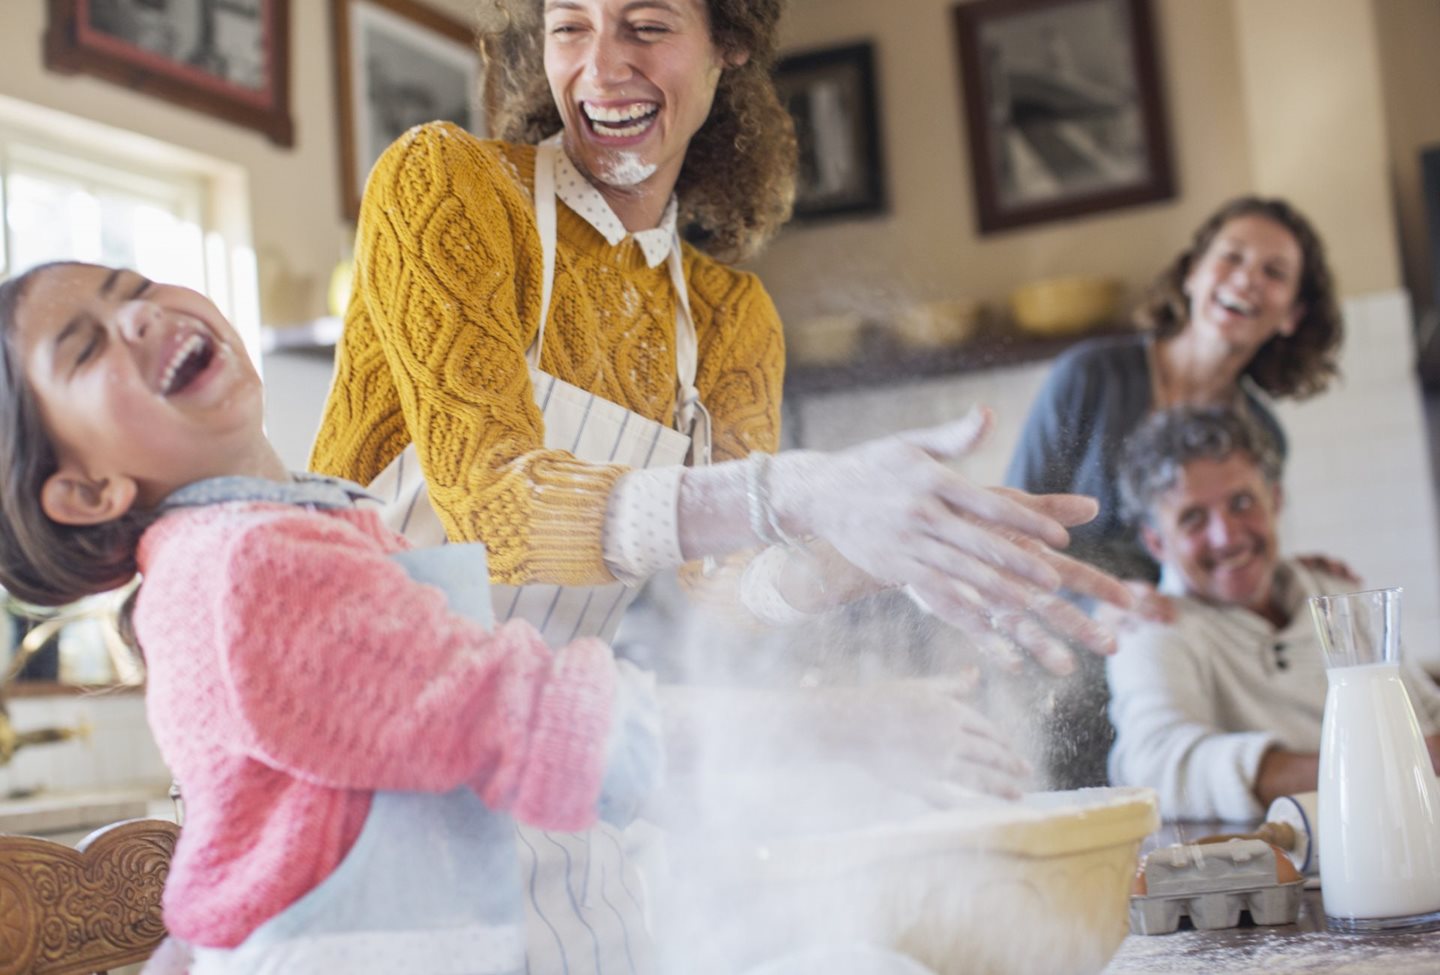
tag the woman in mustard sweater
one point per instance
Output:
(650, 119)
(596, 400)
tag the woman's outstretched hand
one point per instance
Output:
(921, 737)
(983, 559)
(1330, 566)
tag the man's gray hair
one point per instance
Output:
(1155, 454)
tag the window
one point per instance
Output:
(58, 205)
(74, 189)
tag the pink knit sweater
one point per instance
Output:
(294, 669)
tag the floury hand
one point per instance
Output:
(982, 559)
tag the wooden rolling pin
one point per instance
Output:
(1278, 834)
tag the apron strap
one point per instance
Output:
(691, 417)
(545, 223)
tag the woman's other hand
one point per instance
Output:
(1149, 605)
(921, 737)
(982, 559)
(1330, 566)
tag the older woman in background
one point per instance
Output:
(1246, 312)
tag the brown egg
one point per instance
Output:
(1139, 886)
(1285, 872)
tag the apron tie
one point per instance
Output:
(691, 417)
(693, 420)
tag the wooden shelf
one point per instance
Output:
(881, 361)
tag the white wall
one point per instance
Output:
(296, 384)
(120, 754)
(1359, 476)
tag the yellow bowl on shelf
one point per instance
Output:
(825, 340)
(935, 325)
(1065, 305)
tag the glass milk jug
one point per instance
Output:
(1379, 839)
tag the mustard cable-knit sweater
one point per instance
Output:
(446, 302)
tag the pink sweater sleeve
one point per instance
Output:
(345, 672)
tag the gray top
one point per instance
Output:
(1097, 394)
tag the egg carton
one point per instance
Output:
(1212, 884)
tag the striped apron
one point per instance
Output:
(585, 903)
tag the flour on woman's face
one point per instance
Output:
(623, 169)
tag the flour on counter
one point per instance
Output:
(1273, 954)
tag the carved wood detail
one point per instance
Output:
(67, 911)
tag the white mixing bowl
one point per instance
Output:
(1037, 887)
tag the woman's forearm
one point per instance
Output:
(735, 505)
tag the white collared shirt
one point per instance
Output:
(580, 195)
(642, 534)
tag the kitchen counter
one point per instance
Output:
(1292, 949)
(63, 815)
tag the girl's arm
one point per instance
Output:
(345, 672)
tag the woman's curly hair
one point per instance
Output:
(41, 560)
(1298, 365)
(737, 186)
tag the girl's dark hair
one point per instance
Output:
(43, 561)
(1298, 365)
(737, 186)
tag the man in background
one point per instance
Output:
(1220, 711)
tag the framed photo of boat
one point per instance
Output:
(1063, 108)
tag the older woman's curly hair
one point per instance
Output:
(1298, 365)
(738, 183)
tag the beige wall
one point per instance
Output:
(1235, 127)
(1315, 112)
(298, 230)
(1252, 103)
(1410, 73)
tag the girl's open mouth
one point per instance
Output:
(191, 359)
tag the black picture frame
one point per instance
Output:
(1063, 108)
(227, 58)
(397, 63)
(831, 96)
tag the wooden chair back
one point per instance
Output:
(85, 909)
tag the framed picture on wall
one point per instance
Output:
(226, 58)
(831, 96)
(397, 64)
(1063, 108)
